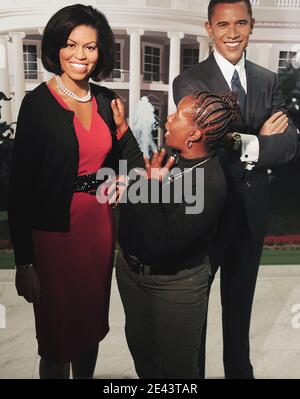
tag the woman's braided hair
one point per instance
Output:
(214, 114)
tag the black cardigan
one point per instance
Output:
(44, 164)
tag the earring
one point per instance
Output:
(189, 144)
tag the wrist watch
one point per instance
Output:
(237, 141)
(28, 266)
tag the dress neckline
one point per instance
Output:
(60, 100)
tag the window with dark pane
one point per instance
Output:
(30, 61)
(116, 74)
(152, 64)
(155, 130)
(190, 57)
(285, 58)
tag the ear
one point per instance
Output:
(252, 24)
(196, 135)
(208, 29)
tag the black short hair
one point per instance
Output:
(57, 32)
(213, 3)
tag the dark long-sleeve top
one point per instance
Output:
(44, 165)
(164, 235)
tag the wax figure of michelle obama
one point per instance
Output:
(62, 237)
(263, 138)
(163, 272)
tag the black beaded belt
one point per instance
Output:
(86, 184)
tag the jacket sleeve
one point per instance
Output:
(182, 87)
(23, 172)
(130, 151)
(279, 148)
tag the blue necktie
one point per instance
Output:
(237, 87)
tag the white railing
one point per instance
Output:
(11, 4)
(276, 3)
(287, 3)
(118, 75)
(185, 5)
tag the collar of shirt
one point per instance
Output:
(227, 69)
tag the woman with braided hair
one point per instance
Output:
(163, 272)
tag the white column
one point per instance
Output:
(18, 68)
(4, 80)
(174, 65)
(45, 74)
(203, 47)
(134, 69)
(263, 54)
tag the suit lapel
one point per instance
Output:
(253, 92)
(217, 82)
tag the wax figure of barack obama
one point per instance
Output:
(265, 138)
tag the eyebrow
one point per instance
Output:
(85, 44)
(237, 22)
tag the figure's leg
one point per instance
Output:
(179, 305)
(139, 326)
(84, 366)
(238, 279)
(202, 350)
(52, 370)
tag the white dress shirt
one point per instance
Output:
(250, 143)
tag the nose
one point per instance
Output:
(232, 32)
(79, 53)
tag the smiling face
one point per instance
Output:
(230, 27)
(180, 125)
(80, 56)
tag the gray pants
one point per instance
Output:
(164, 319)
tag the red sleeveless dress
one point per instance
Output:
(75, 267)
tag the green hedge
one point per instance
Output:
(269, 256)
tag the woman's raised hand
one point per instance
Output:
(154, 168)
(118, 111)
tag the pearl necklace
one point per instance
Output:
(69, 93)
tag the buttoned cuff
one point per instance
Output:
(250, 148)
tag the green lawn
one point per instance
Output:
(281, 257)
(269, 257)
(3, 216)
(6, 261)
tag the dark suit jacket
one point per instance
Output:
(263, 99)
